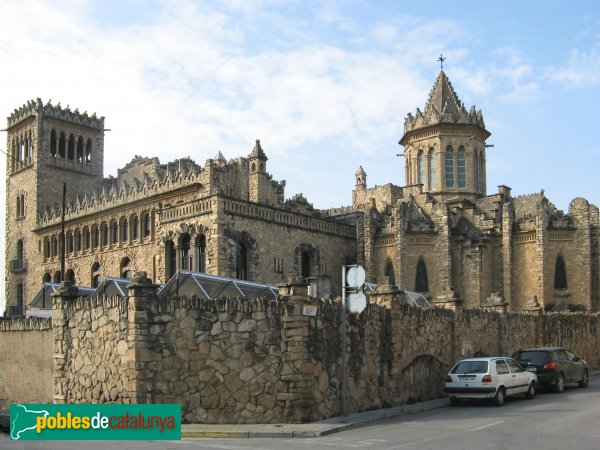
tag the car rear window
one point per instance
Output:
(534, 357)
(470, 367)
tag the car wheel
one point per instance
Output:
(454, 401)
(583, 383)
(499, 397)
(530, 391)
(559, 384)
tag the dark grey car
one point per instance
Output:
(554, 366)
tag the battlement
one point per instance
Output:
(138, 180)
(37, 108)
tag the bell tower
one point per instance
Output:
(444, 146)
(47, 146)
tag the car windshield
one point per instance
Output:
(533, 357)
(471, 367)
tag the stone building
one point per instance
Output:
(226, 218)
(441, 234)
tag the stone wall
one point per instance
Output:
(26, 360)
(91, 350)
(263, 361)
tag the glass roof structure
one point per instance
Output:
(43, 299)
(111, 287)
(211, 286)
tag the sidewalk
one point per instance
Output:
(307, 430)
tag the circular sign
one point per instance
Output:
(355, 277)
(357, 302)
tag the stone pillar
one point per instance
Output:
(508, 218)
(449, 299)
(64, 295)
(386, 294)
(533, 308)
(297, 373)
(141, 352)
(496, 303)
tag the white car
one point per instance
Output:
(492, 378)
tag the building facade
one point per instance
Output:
(441, 234)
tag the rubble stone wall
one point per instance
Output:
(265, 361)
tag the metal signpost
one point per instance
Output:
(355, 277)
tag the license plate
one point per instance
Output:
(531, 369)
(466, 377)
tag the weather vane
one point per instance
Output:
(441, 59)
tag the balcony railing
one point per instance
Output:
(18, 265)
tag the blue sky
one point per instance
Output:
(325, 85)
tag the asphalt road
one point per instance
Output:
(550, 421)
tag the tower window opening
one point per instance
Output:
(241, 258)
(461, 168)
(560, 274)
(421, 282)
(432, 169)
(88, 151)
(71, 148)
(53, 143)
(201, 249)
(62, 145)
(421, 167)
(449, 172)
(80, 150)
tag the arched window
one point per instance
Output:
(80, 146)
(187, 256)
(421, 283)
(88, 151)
(146, 225)
(241, 258)
(481, 173)
(124, 230)
(135, 227)
(104, 234)
(126, 268)
(70, 276)
(389, 272)
(62, 144)
(20, 252)
(421, 167)
(47, 248)
(306, 263)
(461, 169)
(95, 236)
(115, 232)
(47, 278)
(87, 238)
(476, 171)
(432, 169)
(170, 258)
(449, 170)
(70, 242)
(54, 246)
(77, 240)
(96, 273)
(53, 143)
(201, 251)
(560, 274)
(71, 148)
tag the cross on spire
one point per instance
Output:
(441, 59)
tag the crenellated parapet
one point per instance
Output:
(37, 108)
(127, 188)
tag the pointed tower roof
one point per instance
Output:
(257, 152)
(443, 106)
